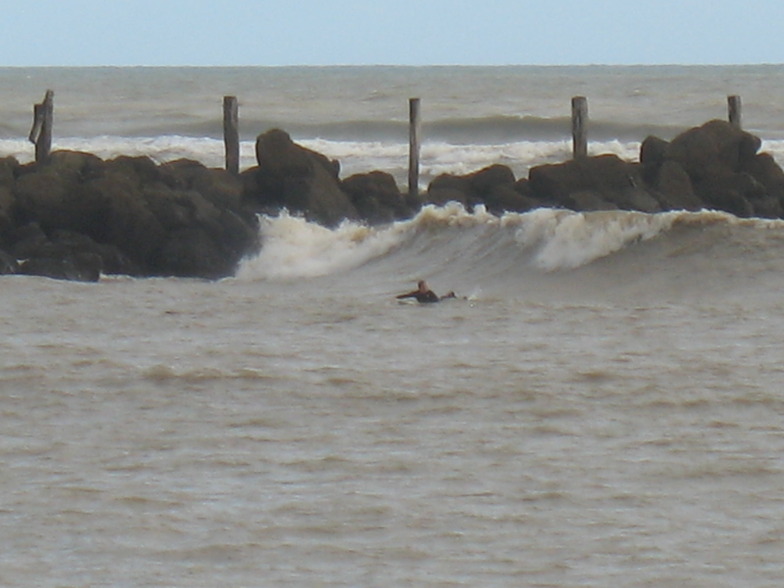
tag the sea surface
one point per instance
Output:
(601, 406)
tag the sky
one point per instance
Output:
(396, 32)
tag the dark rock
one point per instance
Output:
(766, 171)
(298, 179)
(492, 186)
(192, 252)
(27, 239)
(674, 188)
(377, 197)
(8, 167)
(7, 212)
(450, 188)
(590, 200)
(713, 148)
(83, 267)
(134, 214)
(32, 243)
(730, 192)
(8, 263)
(508, 199)
(652, 151)
(600, 183)
(140, 171)
(45, 197)
(112, 209)
(489, 178)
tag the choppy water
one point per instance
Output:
(603, 409)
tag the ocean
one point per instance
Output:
(601, 405)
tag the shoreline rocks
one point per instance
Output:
(78, 217)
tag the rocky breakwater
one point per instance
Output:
(306, 182)
(78, 216)
(714, 166)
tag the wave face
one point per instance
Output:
(540, 255)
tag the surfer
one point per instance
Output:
(424, 294)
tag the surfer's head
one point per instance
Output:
(422, 286)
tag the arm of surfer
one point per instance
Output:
(424, 294)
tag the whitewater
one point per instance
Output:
(600, 406)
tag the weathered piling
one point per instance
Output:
(414, 130)
(734, 110)
(231, 135)
(41, 133)
(579, 123)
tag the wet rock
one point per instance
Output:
(604, 182)
(298, 179)
(377, 198)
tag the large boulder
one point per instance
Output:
(604, 182)
(494, 187)
(723, 169)
(674, 188)
(715, 148)
(298, 179)
(377, 197)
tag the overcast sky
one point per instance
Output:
(402, 32)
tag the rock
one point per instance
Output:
(135, 214)
(45, 197)
(27, 240)
(674, 188)
(113, 210)
(8, 264)
(192, 252)
(8, 167)
(450, 188)
(767, 172)
(730, 192)
(33, 245)
(83, 267)
(487, 179)
(216, 185)
(298, 179)
(7, 212)
(140, 171)
(503, 199)
(589, 200)
(493, 186)
(221, 236)
(600, 183)
(377, 197)
(652, 152)
(713, 148)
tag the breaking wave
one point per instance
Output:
(544, 252)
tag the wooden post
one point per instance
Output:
(579, 130)
(733, 106)
(414, 129)
(41, 133)
(231, 135)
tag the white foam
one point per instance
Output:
(566, 240)
(295, 248)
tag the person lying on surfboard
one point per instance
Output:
(424, 294)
